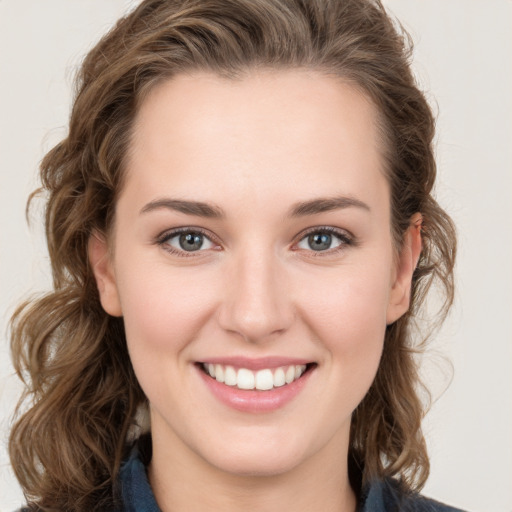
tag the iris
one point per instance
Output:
(191, 241)
(320, 241)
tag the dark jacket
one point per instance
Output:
(379, 496)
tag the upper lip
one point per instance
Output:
(256, 363)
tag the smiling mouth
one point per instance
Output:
(261, 380)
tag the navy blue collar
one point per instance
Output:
(136, 492)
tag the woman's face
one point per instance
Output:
(252, 244)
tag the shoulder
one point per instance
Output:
(389, 496)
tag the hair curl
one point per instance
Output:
(66, 449)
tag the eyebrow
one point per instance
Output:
(327, 204)
(197, 208)
(210, 210)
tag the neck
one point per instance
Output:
(179, 479)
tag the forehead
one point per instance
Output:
(274, 133)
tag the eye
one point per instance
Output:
(186, 241)
(324, 239)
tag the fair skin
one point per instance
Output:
(272, 276)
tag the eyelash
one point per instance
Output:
(346, 240)
(164, 238)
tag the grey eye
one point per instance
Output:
(320, 241)
(190, 241)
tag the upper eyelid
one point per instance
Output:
(170, 233)
(342, 233)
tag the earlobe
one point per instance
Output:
(400, 295)
(100, 261)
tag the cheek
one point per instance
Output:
(350, 305)
(163, 308)
(348, 317)
(164, 311)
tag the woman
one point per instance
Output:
(241, 230)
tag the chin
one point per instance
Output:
(260, 458)
(257, 465)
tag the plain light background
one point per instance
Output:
(463, 57)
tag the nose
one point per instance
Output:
(256, 302)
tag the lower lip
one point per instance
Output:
(253, 400)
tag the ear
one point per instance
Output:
(410, 251)
(101, 264)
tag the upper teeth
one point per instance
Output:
(262, 379)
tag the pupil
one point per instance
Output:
(319, 241)
(191, 241)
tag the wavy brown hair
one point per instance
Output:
(81, 397)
